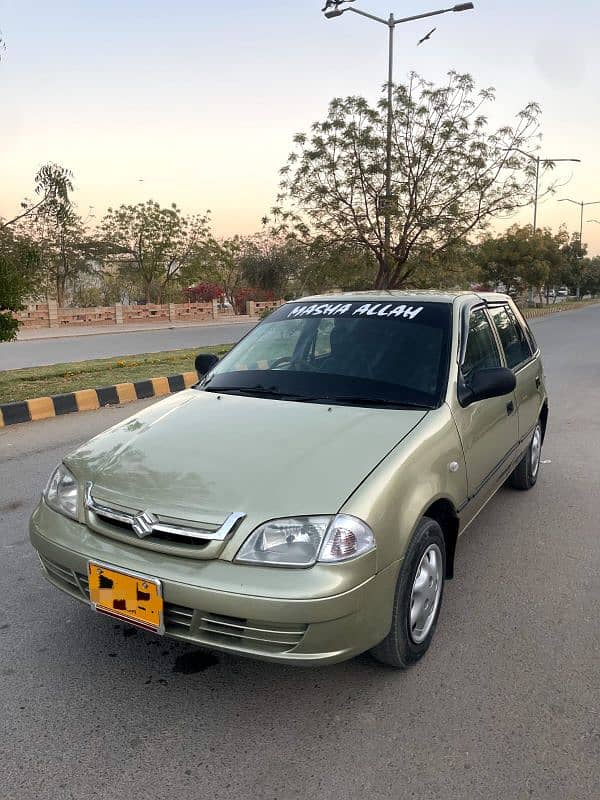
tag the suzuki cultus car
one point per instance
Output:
(303, 501)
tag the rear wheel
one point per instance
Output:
(418, 598)
(527, 470)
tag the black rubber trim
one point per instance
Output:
(176, 383)
(108, 396)
(15, 412)
(64, 404)
(144, 389)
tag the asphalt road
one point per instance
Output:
(505, 705)
(40, 352)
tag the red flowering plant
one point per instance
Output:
(204, 293)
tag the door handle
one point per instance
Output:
(538, 380)
(510, 407)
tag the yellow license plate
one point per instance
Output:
(128, 596)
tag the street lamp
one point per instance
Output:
(332, 9)
(581, 205)
(538, 160)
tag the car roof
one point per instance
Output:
(406, 296)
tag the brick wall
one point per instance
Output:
(48, 315)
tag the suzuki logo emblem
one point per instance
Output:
(143, 524)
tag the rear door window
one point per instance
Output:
(517, 349)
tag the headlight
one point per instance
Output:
(62, 493)
(301, 541)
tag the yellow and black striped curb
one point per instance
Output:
(91, 399)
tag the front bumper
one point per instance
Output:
(292, 616)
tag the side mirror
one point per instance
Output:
(486, 383)
(205, 362)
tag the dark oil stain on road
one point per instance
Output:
(12, 505)
(196, 661)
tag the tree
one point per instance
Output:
(451, 174)
(219, 262)
(324, 266)
(268, 262)
(19, 263)
(52, 185)
(456, 267)
(153, 245)
(519, 258)
(574, 252)
(63, 244)
(590, 276)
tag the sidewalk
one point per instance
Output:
(29, 334)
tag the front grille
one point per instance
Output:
(250, 634)
(200, 627)
(67, 579)
(189, 538)
(178, 619)
(155, 538)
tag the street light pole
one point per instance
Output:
(391, 22)
(537, 184)
(387, 232)
(581, 205)
(538, 160)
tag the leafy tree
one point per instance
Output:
(456, 267)
(590, 276)
(325, 266)
(269, 262)
(574, 252)
(63, 244)
(519, 258)
(219, 262)
(153, 245)
(451, 174)
(53, 184)
(19, 264)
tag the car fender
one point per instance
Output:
(426, 467)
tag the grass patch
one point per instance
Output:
(25, 384)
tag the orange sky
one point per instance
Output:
(200, 107)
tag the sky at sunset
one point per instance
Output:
(196, 102)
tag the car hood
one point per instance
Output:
(203, 456)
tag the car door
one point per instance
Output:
(488, 428)
(519, 357)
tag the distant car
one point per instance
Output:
(563, 292)
(303, 501)
(551, 293)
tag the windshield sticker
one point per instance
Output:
(398, 310)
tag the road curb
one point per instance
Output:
(91, 399)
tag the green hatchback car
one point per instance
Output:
(302, 502)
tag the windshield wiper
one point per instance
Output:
(258, 391)
(359, 400)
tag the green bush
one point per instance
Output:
(8, 327)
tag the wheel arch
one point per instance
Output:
(444, 513)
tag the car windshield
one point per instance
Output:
(347, 353)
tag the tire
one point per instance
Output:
(409, 639)
(526, 472)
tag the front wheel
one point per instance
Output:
(418, 598)
(527, 470)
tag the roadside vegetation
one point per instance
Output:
(25, 384)
(332, 226)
